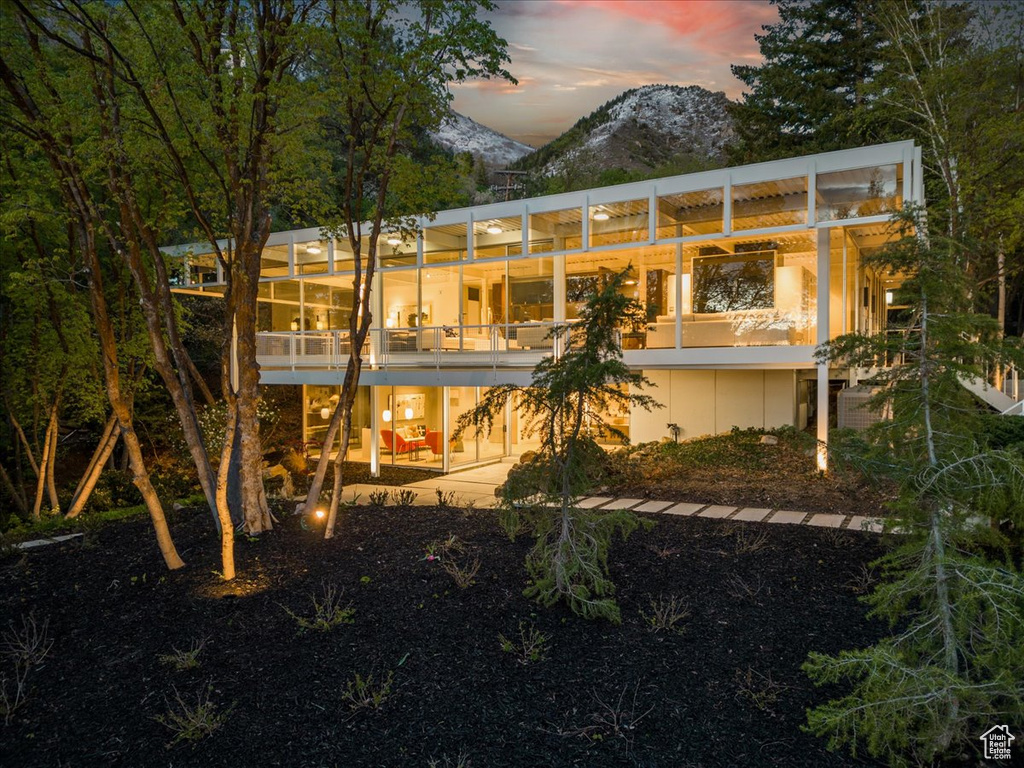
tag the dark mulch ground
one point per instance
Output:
(726, 692)
(737, 469)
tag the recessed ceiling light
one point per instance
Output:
(314, 249)
(494, 229)
(601, 216)
(394, 240)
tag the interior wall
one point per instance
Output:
(707, 402)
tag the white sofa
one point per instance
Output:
(531, 336)
(431, 339)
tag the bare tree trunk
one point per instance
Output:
(339, 465)
(43, 461)
(51, 484)
(1001, 308)
(156, 512)
(227, 528)
(92, 475)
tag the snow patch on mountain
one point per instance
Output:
(459, 134)
(650, 123)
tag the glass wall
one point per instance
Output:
(202, 268)
(769, 204)
(860, 192)
(531, 291)
(473, 445)
(400, 299)
(327, 303)
(755, 293)
(613, 223)
(319, 404)
(444, 243)
(495, 238)
(556, 231)
(411, 426)
(274, 261)
(279, 307)
(690, 213)
(393, 250)
(311, 257)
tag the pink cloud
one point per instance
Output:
(711, 24)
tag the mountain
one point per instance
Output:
(460, 134)
(640, 130)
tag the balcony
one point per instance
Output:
(466, 346)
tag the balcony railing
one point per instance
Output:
(515, 344)
(466, 345)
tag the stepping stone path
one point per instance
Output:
(742, 514)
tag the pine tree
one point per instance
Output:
(808, 94)
(564, 407)
(953, 589)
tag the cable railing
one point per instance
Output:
(456, 345)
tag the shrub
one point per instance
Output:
(192, 722)
(404, 497)
(368, 693)
(531, 647)
(184, 660)
(327, 610)
(666, 614)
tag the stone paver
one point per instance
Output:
(826, 521)
(791, 518)
(752, 514)
(653, 506)
(623, 504)
(861, 523)
(595, 501)
(717, 511)
(684, 509)
(43, 542)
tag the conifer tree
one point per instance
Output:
(565, 406)
(953, 590)
(808, 93)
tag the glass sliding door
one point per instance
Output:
(473, 445)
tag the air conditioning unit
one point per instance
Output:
(853, 411)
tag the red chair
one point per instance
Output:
(435, 441)
(394, 443)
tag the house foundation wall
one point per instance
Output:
(710, 402)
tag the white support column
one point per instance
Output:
(558, 275)
(824, 283)
(374, 431)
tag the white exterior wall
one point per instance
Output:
(711, 402)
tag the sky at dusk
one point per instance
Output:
(571, 56)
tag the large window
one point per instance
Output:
(734, 282)
(444, 243)
(690, 213)
(614, 223)
(859, 192)
(531, 296)
(495, 238)
(556, 231)
(769, 204)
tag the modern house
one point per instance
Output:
(743, 272)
